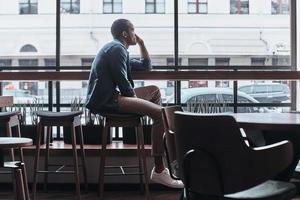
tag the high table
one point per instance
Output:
(280, 126)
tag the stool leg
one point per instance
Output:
(24, 174)
(144, 160)
(75, 161)
(20, 184)
(36, 160)
(83, 161)
(49, 131)
(138, 143)
(102, 159)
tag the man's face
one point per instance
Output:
(130, 37)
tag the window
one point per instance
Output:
(198, 61)
(171, 61)
(280, 7)
(112, 6)
(281, 60)
(28, 48)
(155, 6)
(50, 62)
(222, 61)
(5, 62)
(197, 6)
(258, 61)
(86, 61)
(30, 86)
(28, 7)
(239, 6)
(70, 6)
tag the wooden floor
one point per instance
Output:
(110, 195)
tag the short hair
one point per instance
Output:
(118, 27)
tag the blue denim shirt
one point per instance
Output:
(110, 75)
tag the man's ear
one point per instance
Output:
(124, 34)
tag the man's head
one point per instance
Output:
(123, 30)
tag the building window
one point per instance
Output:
(155, 6)
(50, 62)
(5, 62)
(280, 7)
(171, 61)
(70, 6)
(197, 6)
(281, 61)
(112, 6)
(198, 61)
(28, 7)
(87, 61)
(28, 48)
(258, 61)
(239, 6)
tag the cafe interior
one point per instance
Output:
(226, 75)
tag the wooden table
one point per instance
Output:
(268, 121)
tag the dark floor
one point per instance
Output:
(109, 195)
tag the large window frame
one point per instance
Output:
(176, 67)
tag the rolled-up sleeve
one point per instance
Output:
(140, 64)
(118, 58)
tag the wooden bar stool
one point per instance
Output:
(65, 119)
(124, 120)
(18, 167)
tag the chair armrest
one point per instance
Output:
(272, 159)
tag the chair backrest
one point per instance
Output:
(6, 101)
(220, 169)
(169, 139)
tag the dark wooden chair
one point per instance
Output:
(217, 164)
(169, 139)
(18, 167)
(124, 120)
(65, 119)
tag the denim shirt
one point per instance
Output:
(110, 76)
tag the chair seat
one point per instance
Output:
(4, 115)
(63, 115)
(14, 142)
(120, 115)
(269, 190)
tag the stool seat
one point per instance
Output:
(56, 115)
(120, 115)
(4, 115)
(14, 142)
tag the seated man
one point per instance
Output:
(111, 89)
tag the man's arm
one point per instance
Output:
(118, 58)
(144, 63)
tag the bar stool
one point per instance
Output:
(18, 167)
(65, 119)
(124, 120)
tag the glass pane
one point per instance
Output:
(107, 8)
(236, 37)
(150, 8)
(192, 8)
(118, 8)
(203, 8)
(160, 8)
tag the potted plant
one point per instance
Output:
(29, 130)
(92, 126)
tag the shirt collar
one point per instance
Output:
(118, 41)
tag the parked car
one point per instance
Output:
(218, 95)
(20, 96)
(267, 92)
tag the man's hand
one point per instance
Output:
(139, 40)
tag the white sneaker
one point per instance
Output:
(164, 178)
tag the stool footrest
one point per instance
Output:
(56, 172)
(122, 169)
(12, 164)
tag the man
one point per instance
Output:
(111, 89)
